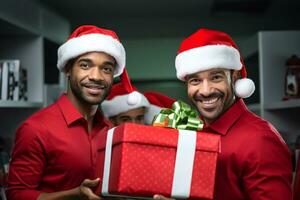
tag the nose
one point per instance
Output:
(95, 74)
(205, 88)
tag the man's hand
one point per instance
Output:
(86, 192)
(161, 197)
(85, 189)
(82, 192)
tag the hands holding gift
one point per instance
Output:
(82, 192)
(85, 189)
(145, 144)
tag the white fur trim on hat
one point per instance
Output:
(205, 58)
(134, 98)
(244, 87)
(120, 104)
(89, 43)
(151, 112)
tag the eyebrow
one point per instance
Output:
(110, 63)
(190, 76)
(84, 60)
(124, 116)
(90, 61)
(218, 72)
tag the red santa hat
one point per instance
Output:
(88, 38)
(122, 98)
(207, 49)
(157, 102)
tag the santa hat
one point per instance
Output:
(122, 98)
(90, 38)
(157, 102)
(207, 49)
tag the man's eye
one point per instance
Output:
(108, 70)
(125, 119)
(84, 65)
(194, 81)
(140, 117)
(217, 77)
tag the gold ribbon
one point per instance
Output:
(181, 116)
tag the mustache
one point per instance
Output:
(96, 84)
(201, 97)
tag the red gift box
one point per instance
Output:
(143, 161)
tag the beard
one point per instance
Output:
(209, 111)
(78, 91)
(211, 96)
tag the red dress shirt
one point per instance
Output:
(254, 162)
(53, 151)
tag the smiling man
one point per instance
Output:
(211, 92)
(254, 162)
(55, 151)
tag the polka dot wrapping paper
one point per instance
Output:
(143, 159)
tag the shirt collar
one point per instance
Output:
(223, 124)
(71, 114)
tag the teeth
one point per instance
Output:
(95, 87)
(210, 101)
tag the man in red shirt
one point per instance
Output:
(254, 162)
(55, 151)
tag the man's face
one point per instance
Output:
(211, 92)
(91, 77)
(134, 116)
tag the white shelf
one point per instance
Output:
(271, 49)
(275, 47)
(292, 103)
(20, 104)
(26, 39)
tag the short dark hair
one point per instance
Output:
(69, 64)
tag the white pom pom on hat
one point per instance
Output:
(123, 97)
(244, 88)
(134, 98)
(208, 49)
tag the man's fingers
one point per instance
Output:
(91, 195)
(91, 183)
(85, 189)
(157, 197)
(160, 197)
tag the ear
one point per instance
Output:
(235, 75)
(67, 74)
(68, 67)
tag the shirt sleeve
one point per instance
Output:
(27, 164)
(267, 172)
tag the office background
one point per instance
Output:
(151, 31)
